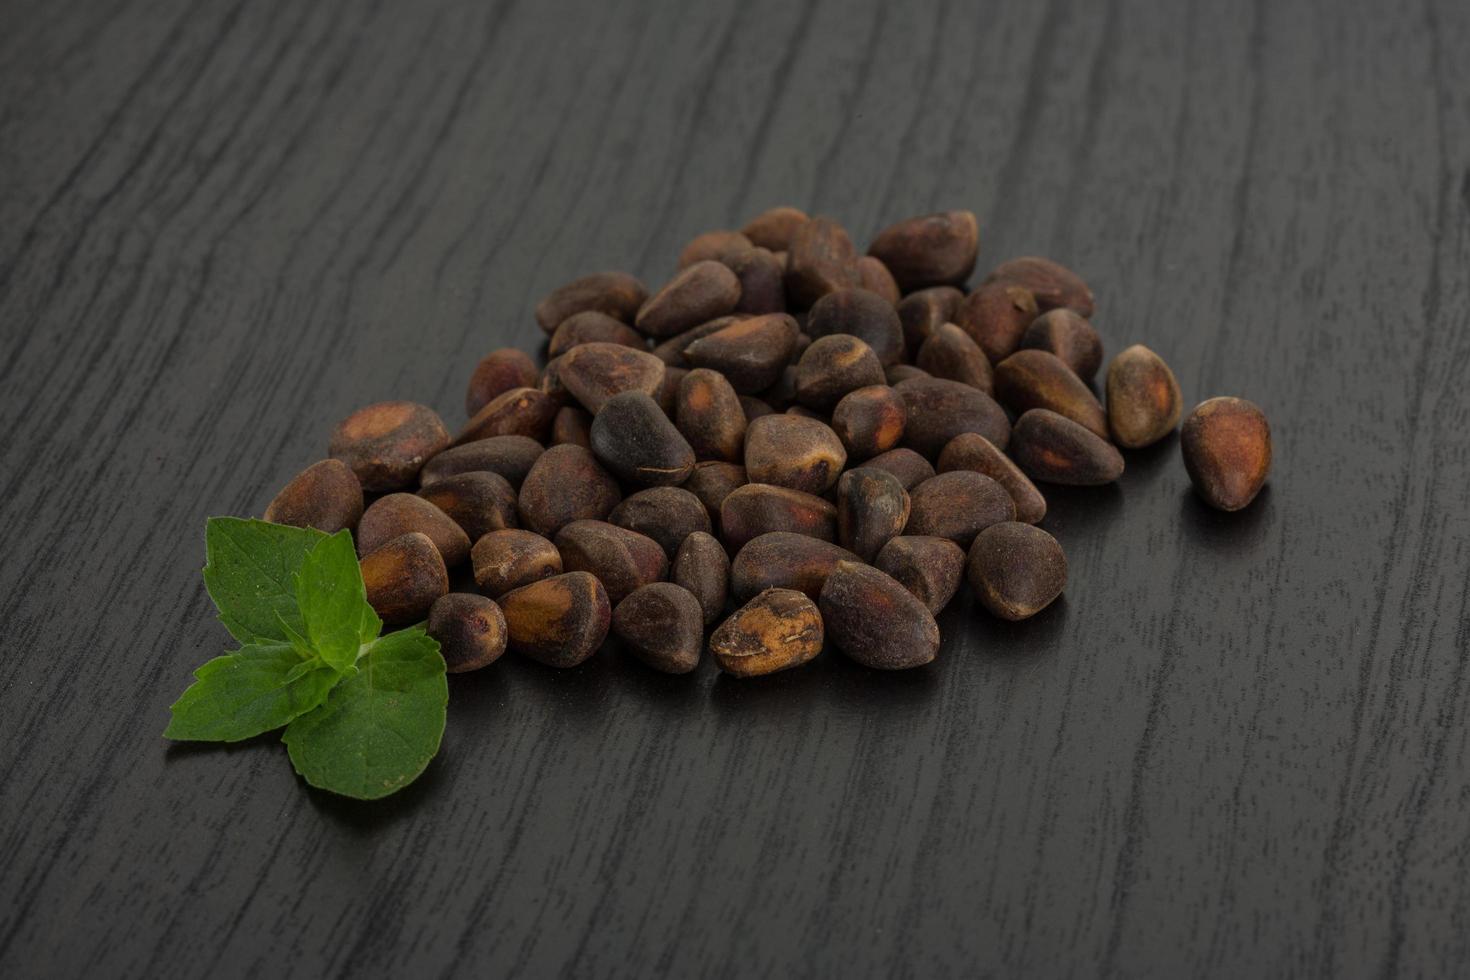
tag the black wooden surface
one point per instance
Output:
(1237, 748)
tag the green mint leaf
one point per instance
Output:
(379, 729)
(256, 689)
(333, 601)
(250, 576)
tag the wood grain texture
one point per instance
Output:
(1238, 747)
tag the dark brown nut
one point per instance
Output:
(777, 630)
(1068, 335)
(875, 620)
(709, 415)
(819, 259)
(1227, 451)
(869, 421)
(791, 451)
(783, 560)
(910, 468)
(933, 250)
(588, 327)
(388, 443)
(782, 395)
(803, 341)
(751, 354)
(712, 482)
(509, 559)
(478, 502)
(572, 426)
(925, 311)
(1016, 570)
(551, 382)
(325, 495)
(634, 439)
(397, 514)
(1144, 401)
(929, 567)
(662, 625)
(470, 629)
(861, 314)
(1054, 449)
(774, 229)
(671, 351)
(968, 451)
(510, 456)
(559, 621)
(519, 412)
(617, 294)
(938, 410)
(950, 353)
(902, 372)
(621, 559)
(874, 276)
(668, 394)
(753, 408)
(714, 246)
(872, 509)
(833, 366)
(595, 372)
(566, 484)
(1052, 284)
(702, 567)
(404, 577)
(498, 372)
(668, 515)
(762, 281)
(701, 292)
(758, 508)
(996, 316)
(959, 505)
(1038, 379)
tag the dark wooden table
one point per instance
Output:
(1238, 748)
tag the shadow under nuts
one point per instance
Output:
(634, 439)
(1054, 449)
(470, 629)
(795, 452)
(777, 630)
(558, 621)
(876, 621)
(386, 444)
(1144, 401)
(662, 625)
(933, 250)
(1227, 450)
(1016, 570)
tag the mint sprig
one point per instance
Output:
(364, 714)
